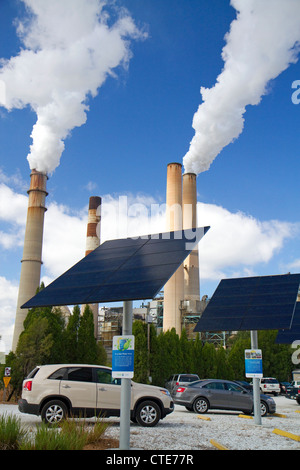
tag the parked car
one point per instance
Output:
(296, 383)
(60, 390)
(284, 387)
(244, 384)
(293, 392)
(180, 379)
(222, 395)
(269, 385)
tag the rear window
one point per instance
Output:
(33, 373)
(189, 378)
(80, 374)
(271, 381)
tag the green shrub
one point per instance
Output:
(11, 432)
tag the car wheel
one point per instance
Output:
(54, 412)
(264, 408)
(200, 405)
(148, 413)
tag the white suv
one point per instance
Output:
(270, 385)
(59, 390)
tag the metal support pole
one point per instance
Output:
(124, 443)
(256, 388)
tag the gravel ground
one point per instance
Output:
(183, 430)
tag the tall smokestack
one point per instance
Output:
(32, 251)
(93, 241)
(173, 290)
(189, 211)
(93, 225)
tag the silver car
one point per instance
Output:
(180, 380)
(212, 394)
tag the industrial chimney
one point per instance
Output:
(191, 263)
(92, 242)
(173, 290)
(32, 251)
(93, 225)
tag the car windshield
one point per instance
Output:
(189, 378)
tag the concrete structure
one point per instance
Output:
(173, 289)
(32, 252)
(92, 242)
(189, 214)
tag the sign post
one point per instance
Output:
(253, 366)
(6, 380)
(123, 360)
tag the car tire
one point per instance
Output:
(264, 408)
(200, 405)
(54, 412)
(148, 413)
(189, 408)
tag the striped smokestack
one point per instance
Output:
(32, 251)
(93, 225)
(92, 242)
(189, 211)
(173, 290)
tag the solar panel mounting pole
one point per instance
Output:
(124, 442)
(256, 388)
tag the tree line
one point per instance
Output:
(49, 339)
(167, 353)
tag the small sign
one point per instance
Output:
(253, 363)
(6, 381)
(7, 371)
(123, 357)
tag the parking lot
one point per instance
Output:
(183, 430)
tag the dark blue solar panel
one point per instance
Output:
(123, 269)
(254, 303)
(291, 334)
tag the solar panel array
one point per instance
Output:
(122, 269)
(253, 303)
(292, 334)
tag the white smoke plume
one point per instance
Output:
(69, 48)
(262, 42)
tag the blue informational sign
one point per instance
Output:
(123, 357)
(253, 363)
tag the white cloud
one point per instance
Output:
(237, 243)
(8, 304)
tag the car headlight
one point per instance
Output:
(165, 392)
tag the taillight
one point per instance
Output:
(180, 389)
(28, 386)
(177, 383)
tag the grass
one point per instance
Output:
(69, 435)
(11, 432)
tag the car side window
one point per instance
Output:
(59, 374)
(104, 377)
(234, 388)
(80, 374)
(214, 386)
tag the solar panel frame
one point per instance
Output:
(253, 303)
(121, 269)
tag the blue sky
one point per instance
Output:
(140, 120)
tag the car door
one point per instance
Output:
(238, 398)
(108, 390)
(79, 386)
(216, 394)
